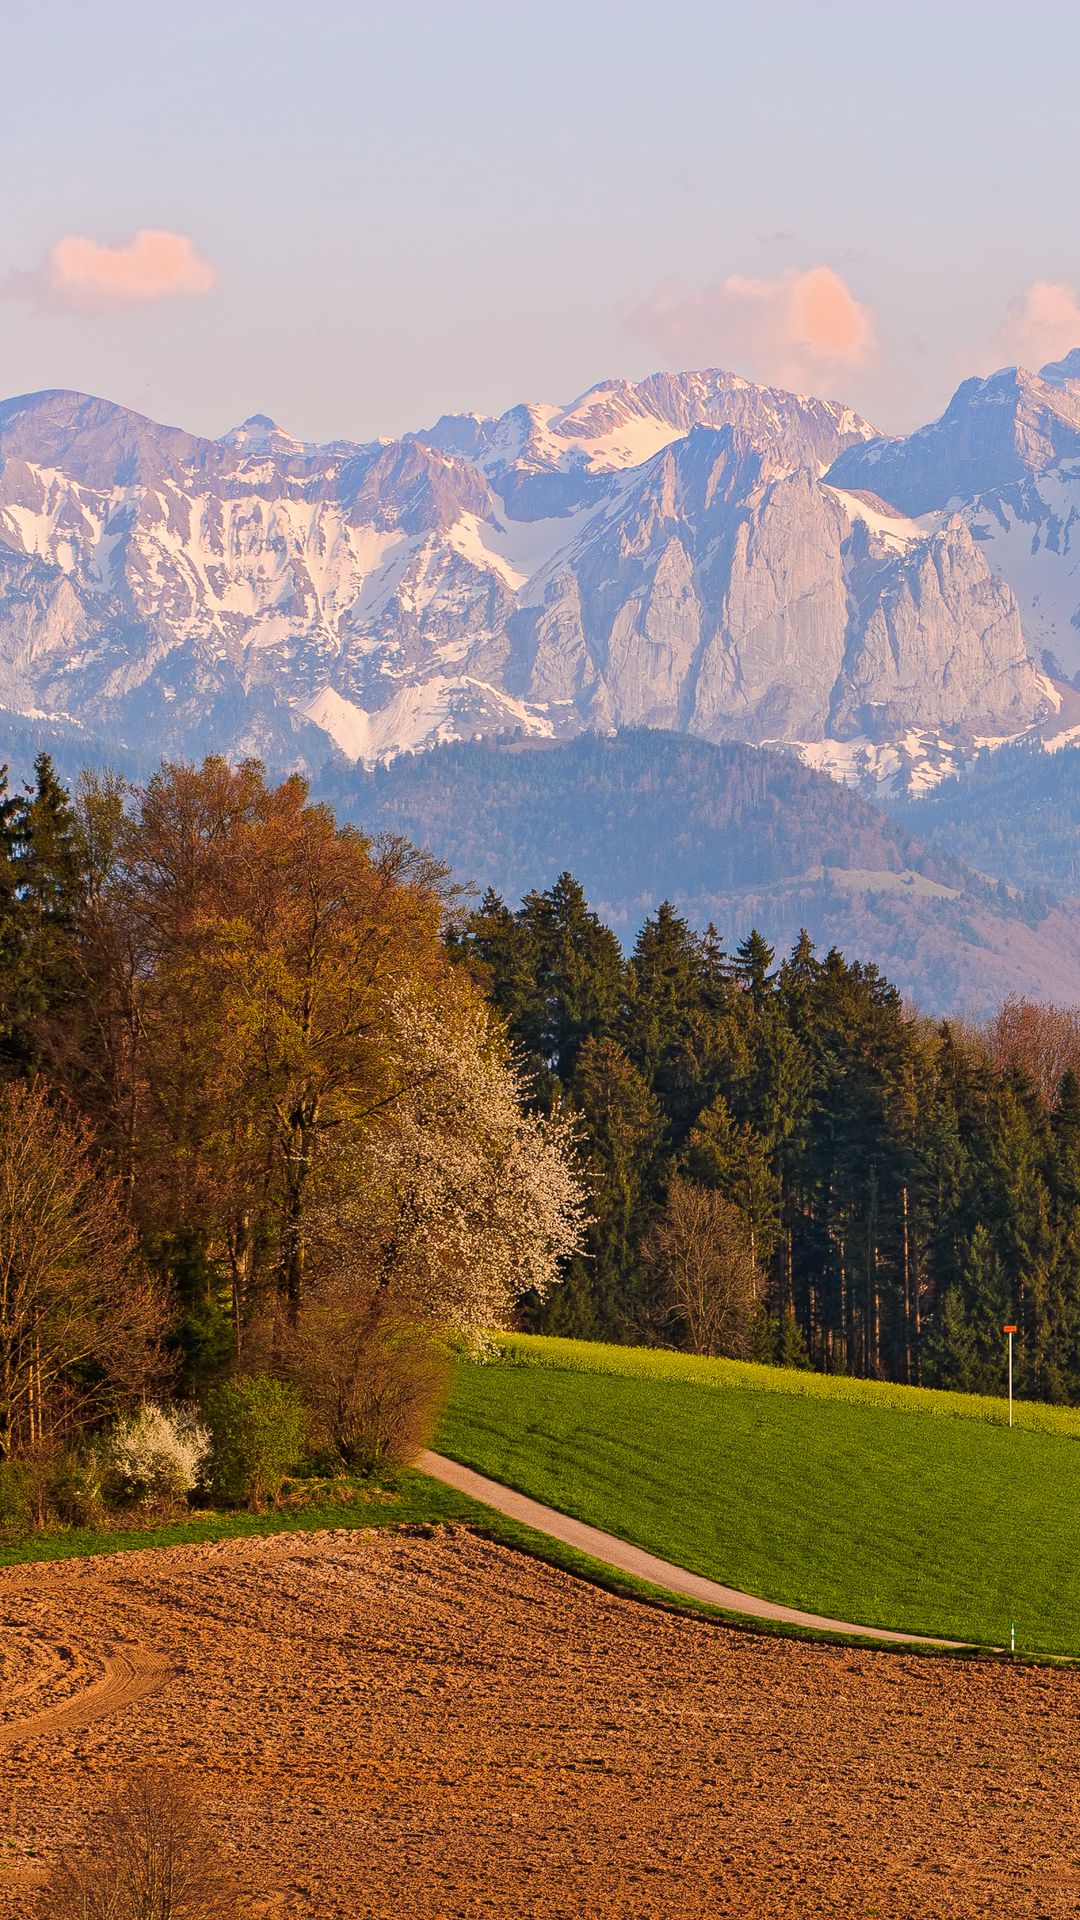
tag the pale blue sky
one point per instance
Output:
(428, 207)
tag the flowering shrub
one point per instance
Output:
(482, 1348)
(156, 1454)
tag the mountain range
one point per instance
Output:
(691, 553)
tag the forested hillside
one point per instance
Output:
(737, 835)
(273, 1103)
(1014, 814)
(786, 1162)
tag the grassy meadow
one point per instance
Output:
(892, 1506)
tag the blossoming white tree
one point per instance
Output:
(458, 1200)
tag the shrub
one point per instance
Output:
(374, 1385)
(258, 1427)
(76, 1490)
(147, 1856)
(17, 1502)
(156, 1456)
(43, 1488)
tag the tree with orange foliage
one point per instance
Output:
(1039, 1038)
(79, 1318)
(260, 959)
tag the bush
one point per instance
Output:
(258, 1428)
(17, 1503)
(76, 1490)
(374, 1385)
(156, 1456)
(46, 1488)
(147, 1852)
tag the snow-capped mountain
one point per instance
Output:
(1005, 455)
(691, 552)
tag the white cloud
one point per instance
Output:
(794, 329)
(83, 275)
(1040, 324)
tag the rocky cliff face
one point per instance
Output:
(665, 554)
(1005, 456)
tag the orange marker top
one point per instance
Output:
(1008, 1329)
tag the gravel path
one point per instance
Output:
(645, 1566)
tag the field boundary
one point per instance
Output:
(553, 1353)
(640, 1565)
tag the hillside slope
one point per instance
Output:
(732, 834)
(1014, 814)
(893, 1506)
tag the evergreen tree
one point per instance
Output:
(45, 880)
(736, 1161)
(576, 982)
(624, 1130)
(753, 961)
(11, 916)
(677, 1019)
(951, 1357)
(905, 1191)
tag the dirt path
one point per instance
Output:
(645, 1566)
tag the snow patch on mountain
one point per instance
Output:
(664, 553)
(1032, 537)
(421, 715)
(895, 529)
(520, 551)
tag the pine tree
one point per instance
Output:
(677, 1013)
(46, 864)
(12, 930)
(951, 1357)
(624, 1128)
(753, 961)
(577, 984)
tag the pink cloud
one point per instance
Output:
(794, 329)
(1040, 324)
(82, 274)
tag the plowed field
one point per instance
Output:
(436, 1727)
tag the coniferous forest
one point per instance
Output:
(888, 1190)
(278, 1106)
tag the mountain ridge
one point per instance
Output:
(689, 551)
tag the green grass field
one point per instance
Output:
(890, 1506)
(411, 1500)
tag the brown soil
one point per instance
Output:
(430, 1728)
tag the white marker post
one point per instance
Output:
(1010, 1330)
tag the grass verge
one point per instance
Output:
(923, 1518)
(409, 1500)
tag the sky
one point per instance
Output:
(355, 217)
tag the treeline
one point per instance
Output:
(274, 1109)
(884, 1192)
(253, 1119)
